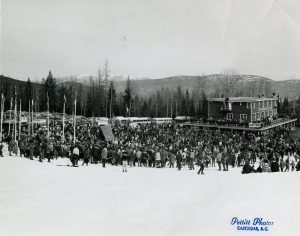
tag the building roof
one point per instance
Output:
(241, 99)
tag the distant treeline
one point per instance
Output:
(98, 96)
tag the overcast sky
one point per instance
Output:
(150, 38)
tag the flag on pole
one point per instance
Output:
(47, 101)
(15, 116)
(32, 125)
(2, 99)
(63, 121)
(75, 101)
(2, 110)
(20, 118)
(48, 133)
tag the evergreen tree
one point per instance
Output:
(178, 102)
(28, 95)
(70, 100)
(79, 101)
(49, 87)
(128, 95)
(186, 108)
(285, 107)
(192, 110)
(113, 108)
(62, 91)
(202, 105)
(89, 107)
(145, 110)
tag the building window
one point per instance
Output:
(262, 115)
(253, 105)
(270, 113)
(229, 116)
(258, 115)
(261, 104)
(243, 116)
(248, 105)
(253, 117)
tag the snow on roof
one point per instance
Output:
(241, 99)
(182, 117)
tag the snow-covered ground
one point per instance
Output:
(54, 199)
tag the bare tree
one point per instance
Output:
(201, 84)
(227, 82)
(294, 90)
(106, 73)
(252, 88)
(268, 88)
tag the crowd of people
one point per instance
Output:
(162, 146)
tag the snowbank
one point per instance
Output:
(54, 199)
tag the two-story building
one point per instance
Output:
(246, 109)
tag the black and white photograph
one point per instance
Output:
(149, 117)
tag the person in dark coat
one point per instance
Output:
(11, 146)
(179, 160)
(275, 166)
(201, 167)
(86, 155)
(48, 151)
(298, 166)
(247, 169)
(1, 149)
(31, 149)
